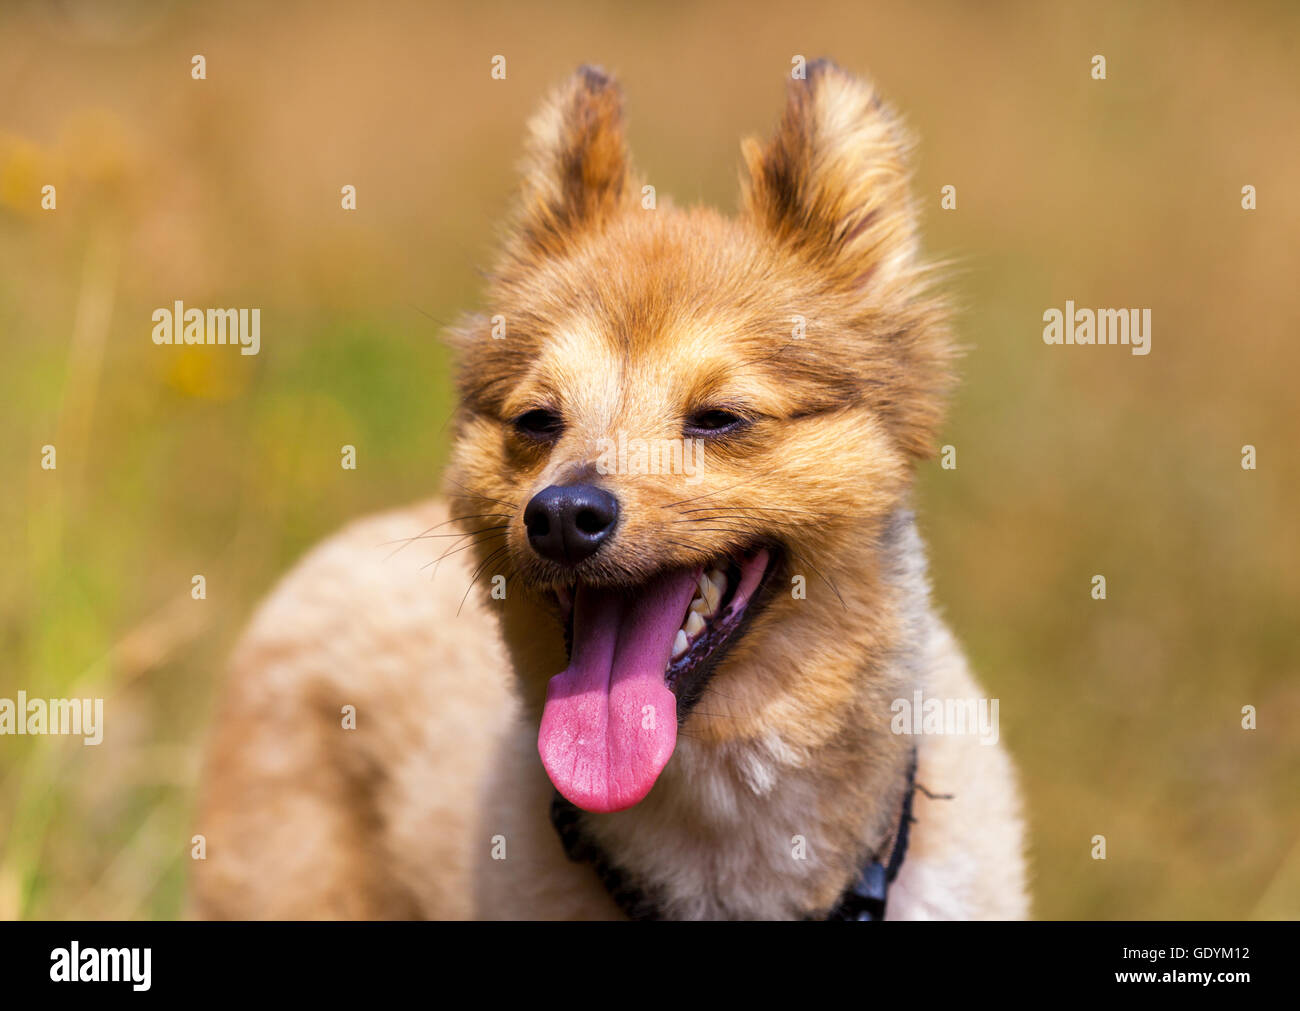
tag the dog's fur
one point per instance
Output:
(627, 319)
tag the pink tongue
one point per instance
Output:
(610, 721)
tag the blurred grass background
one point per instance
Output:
(1123, 715)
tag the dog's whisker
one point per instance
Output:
(426, 534)
(768, 358)
(711, 687)
(834, 589)
(710, 494)
(431, 537)
(455, 550)
(716, 519)
(694, 548)
(479, 572)
(751, 508)
(470, 493)
(404, 541)
(723, 530)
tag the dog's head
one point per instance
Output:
(680, 434)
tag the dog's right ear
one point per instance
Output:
(577, 171)
(833, 181)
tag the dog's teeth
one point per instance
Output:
(712, 585)
(694, 625)
(681, 644)
(699, 606)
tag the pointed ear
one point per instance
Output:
(833, 181)
(576, 168)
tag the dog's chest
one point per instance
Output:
(732, 836)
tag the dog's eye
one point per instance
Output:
(714, 421)
(541, 424)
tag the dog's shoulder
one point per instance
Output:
(361, 704)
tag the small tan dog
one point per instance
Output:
(680, 481)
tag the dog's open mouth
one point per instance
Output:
(610, 721)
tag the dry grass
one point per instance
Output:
(1124, 715)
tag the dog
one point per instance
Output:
(679, 596)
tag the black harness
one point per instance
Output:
(864, 899)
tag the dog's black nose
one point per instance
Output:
(567, 523)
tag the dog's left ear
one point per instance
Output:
(833, 181)
(576, 171)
